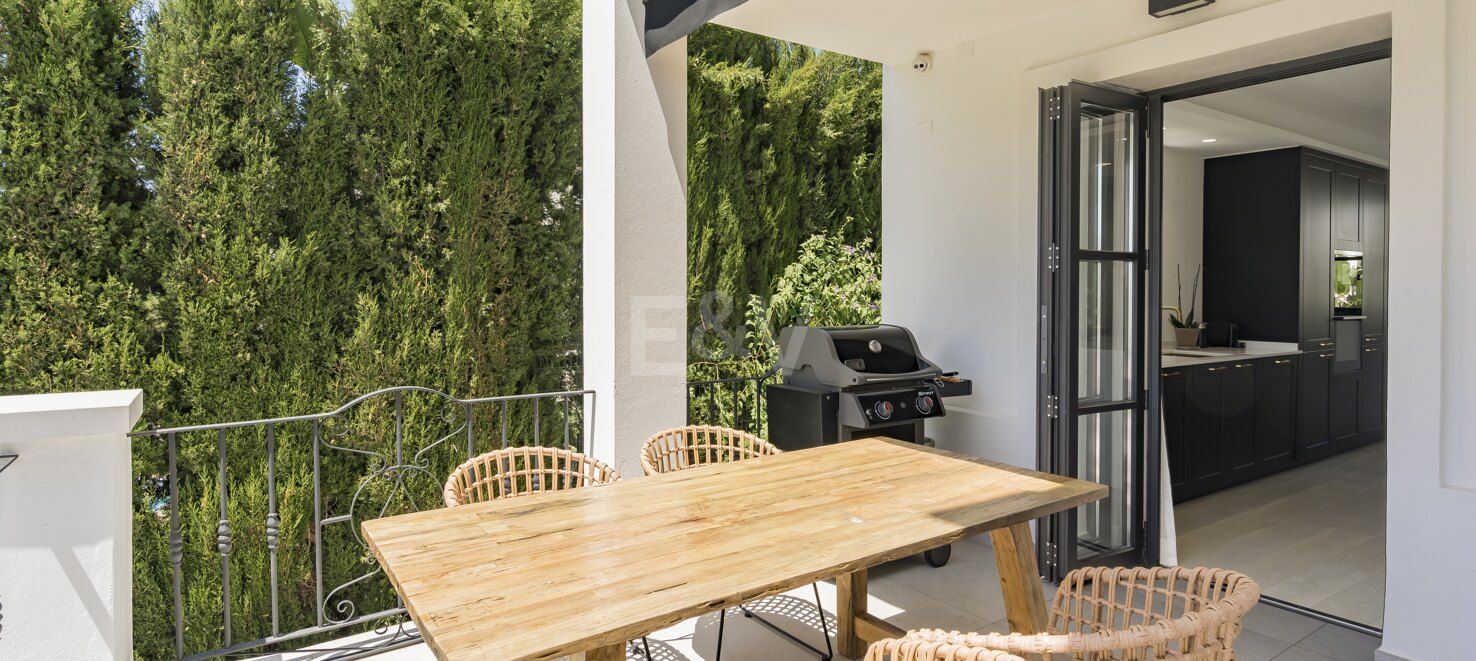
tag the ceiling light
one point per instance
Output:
(1208, 140)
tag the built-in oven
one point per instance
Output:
(1347, 290)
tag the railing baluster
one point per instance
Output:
(176, 548)
(318, 519)
(711, 406)
(566, 423)
(504, 424)
(470, 437)
(273, 521)
(737, 424)
(223, 541)
(537, 437)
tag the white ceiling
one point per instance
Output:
(885, 31)
(1342, 110)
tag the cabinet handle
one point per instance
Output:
(1215, 369)
(1243, 365)
(1324, 344)
(1173, 373)
(1325, 356)
(1370, 349)
(1283, 362)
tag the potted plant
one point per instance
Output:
(1186, 329)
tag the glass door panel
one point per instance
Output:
(1107, 306)
(1093, 312)
(1108, 180)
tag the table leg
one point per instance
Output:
(856, 628)
(850, 601)
(606, 653)
(1019, 578)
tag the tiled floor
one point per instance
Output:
(964, 595)
(1313, 536)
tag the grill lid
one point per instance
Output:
(841, 356)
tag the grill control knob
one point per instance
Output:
(884, 410)
(925, 404)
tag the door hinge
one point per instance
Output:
(1050, 555)
(1052, 406)
(1053, 257)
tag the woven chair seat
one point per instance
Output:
(698, 445)
(520, 471)
(1126, 614)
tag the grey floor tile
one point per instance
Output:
(1252, 646)
(1339, 643)
(1280, 624)
(1303, 654)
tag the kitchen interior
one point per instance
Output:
(1274, 395)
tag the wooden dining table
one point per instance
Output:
(580, 572)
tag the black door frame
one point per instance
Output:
(1048, 548)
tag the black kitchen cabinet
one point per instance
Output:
(1276, 414)
(1238, 422)
(1203, 461)
(1375, 216)
(1172, 391)
(1272, 220)
(1313, 412)
(1372, 394)
(1343, 410)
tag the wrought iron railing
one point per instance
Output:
(736, 402)
(383, 453)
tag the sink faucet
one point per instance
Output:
(1174, 309)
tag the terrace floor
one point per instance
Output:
(965, 596)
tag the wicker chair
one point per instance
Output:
(1120, 614)
(912, 649)
(520, 471)
(698, 445)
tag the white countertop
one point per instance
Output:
(1207, 355)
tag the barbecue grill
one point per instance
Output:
(848, 382)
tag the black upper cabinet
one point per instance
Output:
(1316, 254)
(1375, 216)
(1271, 223)
(1347, 196)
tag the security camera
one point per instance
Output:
(923, 63)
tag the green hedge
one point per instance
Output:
(255, 208)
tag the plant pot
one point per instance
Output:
(1186, 338)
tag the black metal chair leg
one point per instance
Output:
(647, 646)
(722, 619)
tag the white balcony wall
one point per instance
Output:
(959, 257)
(66, 537)
(635, 231)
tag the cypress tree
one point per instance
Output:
(784, 144)
(73, 297)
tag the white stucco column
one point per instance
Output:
(66, 535)
(635, 231)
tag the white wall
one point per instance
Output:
(1183, 231)
(959, 205)
(66, 536)
(635, 232)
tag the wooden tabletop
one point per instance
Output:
(547, 575)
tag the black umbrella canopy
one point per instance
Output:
(670, 20)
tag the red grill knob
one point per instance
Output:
(884, 410)
(925, 404)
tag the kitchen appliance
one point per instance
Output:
(1221, 334)
(848, 382)
(1347, 290)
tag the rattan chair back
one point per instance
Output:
(1127, 614)
(520, 471)
(699, 445)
